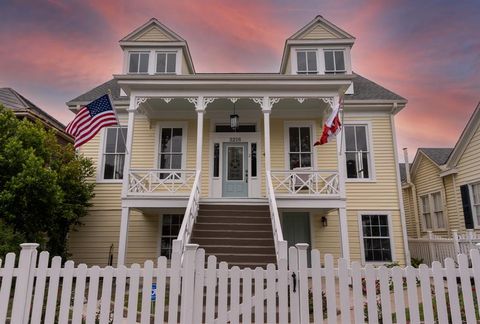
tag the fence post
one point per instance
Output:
(456, 245)
(188, 282)
(24, 285)
(431, 247)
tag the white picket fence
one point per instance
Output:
(435, 248)
(45, 291)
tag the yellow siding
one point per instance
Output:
(143, 236)
(144, 139)
(153, 34)
(319, 32)
(327, 239)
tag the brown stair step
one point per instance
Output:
(233, 219)
(235, 207)
(239, 241)
(233, 212)
(233, 226)
(231, 233)
(213, 249)
(256, 258)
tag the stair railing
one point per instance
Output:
(280, 243)
(189, 218)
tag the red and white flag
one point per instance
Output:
(91, 119)
(333, 125)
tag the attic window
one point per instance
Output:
(166, 62)
(138, 62)
(334, 62)
(307, 62)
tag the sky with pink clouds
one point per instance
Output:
(426, 51)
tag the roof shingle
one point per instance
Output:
(437, 155)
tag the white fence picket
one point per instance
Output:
(343, 281)
(222, 293)
(40, 283)
(174, 286)
(303, 282)
(293, 289)
(397, 277)
(453, 291)
(440, 299)
(466, 289)
(66, 296)
(6, 286)
(282, 290)
(371, 285)
(246, 296)
(199, 284)
(92, 298)
(121, 280)
(357, 293)
(412, 294)
(384, 280)
(425, 286)
(133, 293)
(79, 296)
(258, 298)
(234, 317)
(105, 301)
(271, 295)
(330, 290)
(53, 284)
(147, 280)
(161, 274)
(475, 257)
(317, 288)
(211, 287)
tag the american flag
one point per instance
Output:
(90, 119)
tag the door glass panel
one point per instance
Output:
(235, 163)
(254, 159)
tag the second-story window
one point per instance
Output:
(357, 152)
(114, 152)
(334, 61)
(300, 147)
(170, 153)
(307, 62)
(138, 62)
(166, 62)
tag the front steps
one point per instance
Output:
(238, 234)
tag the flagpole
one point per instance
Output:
(109, 93)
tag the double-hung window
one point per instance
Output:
(475, 200)
(432, 211)
(307, 62)
(357, 152)
(138, 62)
(166, 62)
(114, 152)
(334, 61)
(377, 244)
(299, 147)
(171, 224)
(171, 150)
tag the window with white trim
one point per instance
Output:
(475, 200)
(357, 152)
(171, 224)
(432, 211)
(377, 245)
(166, 62)
(307, 62)
(334, 61)
(114, 152)
(171, 149)
(138, 62)
(300, 147)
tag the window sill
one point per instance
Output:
(110, 181)
(354, 180)
(378, 263)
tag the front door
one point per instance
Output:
(235, 170)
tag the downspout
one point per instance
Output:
(445, 213)
(399, 189)
(414, 193)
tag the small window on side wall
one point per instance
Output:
(138, 62)
(166, 62)
(307, 62)
(376, 238)
(114, 153)
(334, 62)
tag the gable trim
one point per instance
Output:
(147, 26)
(322, 21)
(417, 161)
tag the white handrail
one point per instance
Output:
(280, 243)
(306, 182)
(159, 181)
(189, 218)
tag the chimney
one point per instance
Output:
(407, 164)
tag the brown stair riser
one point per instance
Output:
(236, 213)
(235, 207)
(237, 227)
(232, 258)
(233, 219)
(239, 249)
(231, 241)
(232, 234)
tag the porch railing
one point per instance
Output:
(160, 181)
(306, 182)
(189, 217)
(280, 243)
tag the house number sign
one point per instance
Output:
(235, 139)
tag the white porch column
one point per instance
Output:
(122, 242)
(266, 109)
(342, 213)
(200, 109)
(340, 139)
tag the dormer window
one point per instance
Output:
(166, 62)
(307, 62)
(138, 62)
(334, 61)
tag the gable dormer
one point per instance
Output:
(153, 49)
(320, 47)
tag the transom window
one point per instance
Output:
(475, 199)
(138, 62)
(166, 62)
(334, 61)
(357, 152)
(171, 224)
(114, 152)
(171, 149)
(432, 211)
(299, 147)
(376, 238)
(307, 62)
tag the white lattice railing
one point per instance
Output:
(160, 181)
(306, 182)
(280, 243)
(189, 218)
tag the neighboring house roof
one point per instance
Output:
(364, 89)
(467, 134)
(437, 155)
(20, 105)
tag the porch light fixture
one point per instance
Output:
(234, 121)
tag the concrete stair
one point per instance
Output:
(238, 234)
